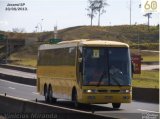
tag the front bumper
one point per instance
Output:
(94, 98)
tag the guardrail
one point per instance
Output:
(12, 107)
(150, 63)
(146, 94)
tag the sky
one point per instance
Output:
(67, 13)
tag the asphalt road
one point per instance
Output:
(150, 67)
(150, 51)
(134, 110)
(17, 73)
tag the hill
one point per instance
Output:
(123, 33)
(148, 39)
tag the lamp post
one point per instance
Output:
(5, 39)
(130, 12)
(39, 24)
(138, 39)
(7, 50)
(36, 28)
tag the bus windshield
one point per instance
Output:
(106, 66)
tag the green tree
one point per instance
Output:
(91, 9)
(148, 15)
(18, 30)
(100, 5)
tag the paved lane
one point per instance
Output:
(149, 67)
(150, 51)
(19, 90)
(128, 111)
(17, 73)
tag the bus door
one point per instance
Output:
(79, 66)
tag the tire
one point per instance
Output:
(46, 94)
(54, 100)
(74, 99)
(50, 96)
(116, 105)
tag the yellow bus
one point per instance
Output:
(85, 71)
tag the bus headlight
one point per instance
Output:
(125, 91)
(90, 91)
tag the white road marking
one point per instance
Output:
(11, 88)
(35, 93)
(147, 111)
(17, 83)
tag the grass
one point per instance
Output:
(151, 58)
(25, 56)
(148, 46)
(147, 56)
(24, 62)
(123, 33)
(147, 79)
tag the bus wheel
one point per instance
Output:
(46, 94)
(50, 93)
(74, 98)
(116, 105)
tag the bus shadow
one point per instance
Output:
(82, 107)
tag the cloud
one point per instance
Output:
(4, 23)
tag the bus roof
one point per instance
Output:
(84, 42)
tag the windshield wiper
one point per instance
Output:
(100, 80)
(116, 75)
